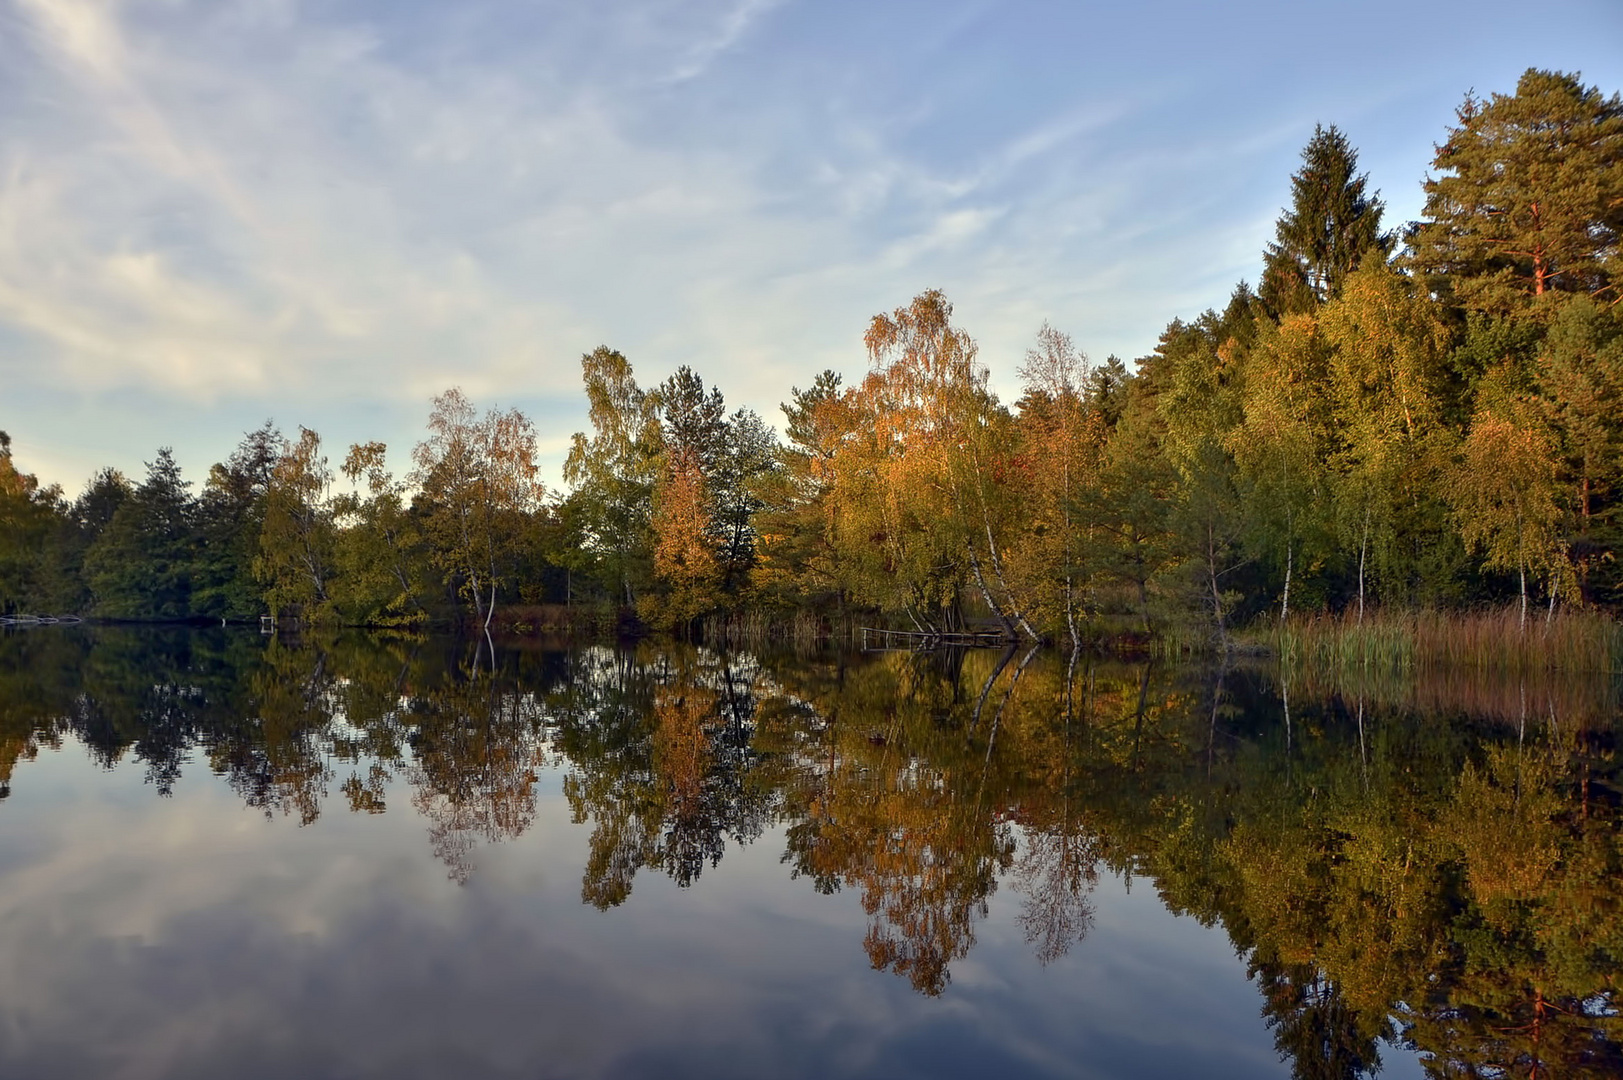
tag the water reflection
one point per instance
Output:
(1408, 866)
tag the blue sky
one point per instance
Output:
(216, 212)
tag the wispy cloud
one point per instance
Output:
(732, 26)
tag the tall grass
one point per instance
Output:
(1573, 641)
(555, 620)
(754, 629)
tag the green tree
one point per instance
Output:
(379, 556)
(1580, 383)
(799, 559)
(1531, 197)
(230, 517)
(1332, 223)
(296, 541)
(141, 565)
(612, 473)
(1199, 372)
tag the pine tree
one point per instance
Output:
(142, 564)
(1532, 199)
(1333, 222)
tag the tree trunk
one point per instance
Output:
(1217, 596)
(1070, 617)
(1363, 552)
(1009, 633)
(1285, 600)
(997, 570)
(1521, 623)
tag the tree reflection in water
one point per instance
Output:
(1427, 862)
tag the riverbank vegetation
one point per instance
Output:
(1422, 418)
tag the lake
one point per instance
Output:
(223, 854)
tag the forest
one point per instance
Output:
(1421, 417)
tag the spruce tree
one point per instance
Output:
(1333, 222)
(1531, 200)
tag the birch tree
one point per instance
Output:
(479, 482)
(296, 542)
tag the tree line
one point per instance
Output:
(1431, 415)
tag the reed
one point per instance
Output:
(1395, 639)
(756, 628)
(554, 620)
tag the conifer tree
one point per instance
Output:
(141, 566)
(1333, 222)
(1531, 200)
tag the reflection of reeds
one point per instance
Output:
(1581, 699)
(1398, 640)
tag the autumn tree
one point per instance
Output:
(1387, 344)
(1061, 436)
(684, 558)
(732, 455)
(923, 476)
(28, 514)
(1505, 495)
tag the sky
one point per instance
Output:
(325, 212)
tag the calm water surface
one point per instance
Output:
(226, 855)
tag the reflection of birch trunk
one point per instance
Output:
(997, 717)
(1285, 698)
(986, 688)
(1363, 757)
